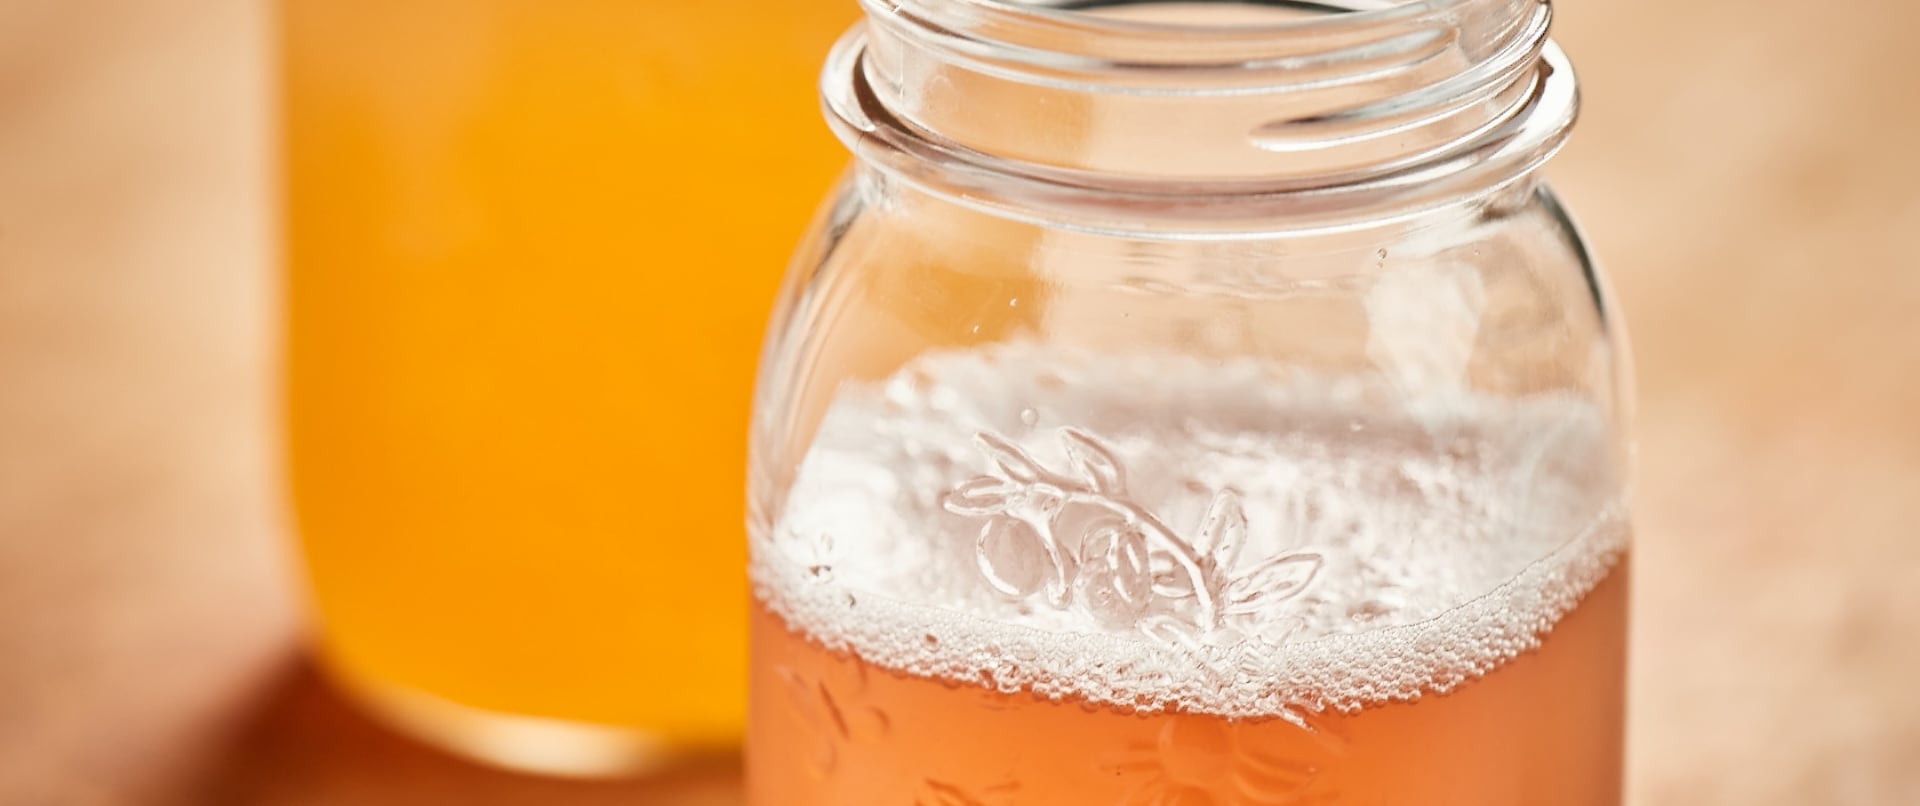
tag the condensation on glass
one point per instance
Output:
(1191, 403)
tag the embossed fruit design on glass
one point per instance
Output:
(1191, 403)
(529, 248)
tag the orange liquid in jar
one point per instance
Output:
(530, 247)
(1543, 728)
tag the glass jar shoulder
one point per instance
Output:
(1499, 296)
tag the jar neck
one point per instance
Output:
(1224, 110)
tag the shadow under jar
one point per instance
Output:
(1191, 403)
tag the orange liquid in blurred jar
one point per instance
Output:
(530, 247)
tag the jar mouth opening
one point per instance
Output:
(1314, 16)
(1055, 32)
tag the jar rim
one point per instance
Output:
(1158, 42)
(1073, 14)
(1186, 213)
(1505, 139)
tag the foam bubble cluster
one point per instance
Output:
(1162, 532)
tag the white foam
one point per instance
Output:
(1394, 551)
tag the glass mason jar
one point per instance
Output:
(1191, 403)
(514, 445)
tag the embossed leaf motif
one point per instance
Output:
(981, 497)
(1011, 557)
(1173, 632)
(1093, 462)
(941, 793)
(1169, 579)
(823, 752)
(1275, 580)
(1115, 556)
(1223, 530)
(1113, 567)
(1127, 562)
(1012, 460)
(934, 792)
(835, 716)
(1199, 761)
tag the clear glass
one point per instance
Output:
(522, 315)
(1190, 403)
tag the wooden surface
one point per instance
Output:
(1747, 169)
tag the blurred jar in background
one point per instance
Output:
(530, 247)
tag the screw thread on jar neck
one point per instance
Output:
(1205, 99)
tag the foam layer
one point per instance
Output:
(1165, 533)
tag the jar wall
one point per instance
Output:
(1495, 296)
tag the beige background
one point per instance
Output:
(1747, 168)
